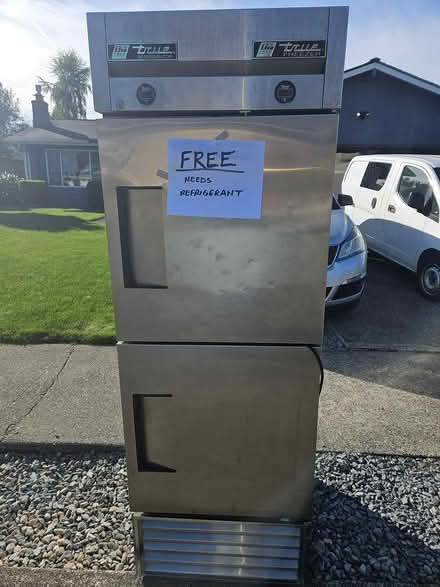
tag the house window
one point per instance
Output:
(53, 167)
(71, 168)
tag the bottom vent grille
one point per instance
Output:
(225, 549)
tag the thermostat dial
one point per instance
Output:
(146, 94)
(285, 92)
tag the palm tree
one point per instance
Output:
(69, 90)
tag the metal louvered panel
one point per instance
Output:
(226, 549)
(222, 526)
(216, 548)
(238, 573)
(220, 538)
(229, 560)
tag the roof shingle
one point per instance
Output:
(60, 132)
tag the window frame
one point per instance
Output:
(431, 177)
(374, 162)
(60, 151)
(27, 165)
(399, 179)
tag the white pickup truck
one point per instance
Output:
(396, 206)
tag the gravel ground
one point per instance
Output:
(65, 511)
(376, 518)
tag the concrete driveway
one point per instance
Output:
(379, 402)
(392, 314)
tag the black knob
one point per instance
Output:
(146, 94)
(285, 92)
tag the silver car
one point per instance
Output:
(347, 258)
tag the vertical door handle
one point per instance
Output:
(149, 410)
(391, 208)
(373, 202)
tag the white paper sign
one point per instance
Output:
(215, 179)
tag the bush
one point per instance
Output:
(95, 196)
(22, 193)
(8, 177)
(34, 193)
(9, 191)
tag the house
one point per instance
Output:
(62, 152)
(388, 110)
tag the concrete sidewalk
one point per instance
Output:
(375, 402)
(23, 577)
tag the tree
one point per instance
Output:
(11, 122)
(10, 117)
(69, 90)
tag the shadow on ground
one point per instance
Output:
(47, 222)
(351, 542)
(412, 372)
(391, 312)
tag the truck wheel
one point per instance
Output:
(428, 277)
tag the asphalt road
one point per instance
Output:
(392, 314)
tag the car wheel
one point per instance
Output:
(428, 277)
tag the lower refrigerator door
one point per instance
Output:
(220, 430)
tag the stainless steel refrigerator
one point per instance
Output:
(217, 150)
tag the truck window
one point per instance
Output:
(375, 175)
(414, 179)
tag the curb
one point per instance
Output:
(45, 448)
(25, 577)
(380, 347)
(28, 577)
(62, 447)
(391, 348)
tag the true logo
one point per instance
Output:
(266, 49)
(289, 49)
(120, 51)
(135, 51)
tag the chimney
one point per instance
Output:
(40, 110)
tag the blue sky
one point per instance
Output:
(404, 33)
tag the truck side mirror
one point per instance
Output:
(416, 200)
(345, 200)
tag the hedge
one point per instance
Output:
(25, 193)
(95, 196)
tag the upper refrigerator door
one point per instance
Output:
(238, 256)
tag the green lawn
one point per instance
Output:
(54, 277)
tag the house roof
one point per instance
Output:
(60, 132)
(378, 65)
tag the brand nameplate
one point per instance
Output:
(289, 49)
(141, 51)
